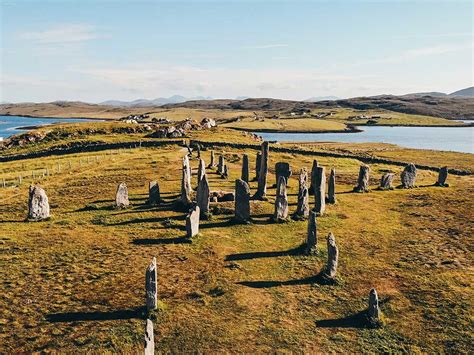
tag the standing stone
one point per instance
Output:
(245, 168)
(202, 197)
(198, 148)
(149, 338)
(38, 204)
(363, 180)
(201, 170)
(258, 162)
(373, 312)
(242, 201)
(313, 176)
(121, 196)
(312, 234)
(154, 197)
(225, 173)
(442, 177)
(20, 179)
(282, 169)
(320, 191)
(281, 201)
(332, 186)
(302, 209)
(386, 181)
(212, 164)
(220, 165)
(151, 286)
(408, 176)
(333, 255)
(186, 183)
(262, 179)
(192, 222)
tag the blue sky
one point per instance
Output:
(98, 50)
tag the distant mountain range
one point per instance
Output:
(175, 99)
(321, 98)
(467, 92)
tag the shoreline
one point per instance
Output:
(65, 118)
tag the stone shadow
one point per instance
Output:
(148, 220)
(133, 313)
(158, 241)
(318, 279)
(266, 254)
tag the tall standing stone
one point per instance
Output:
(408, 176)
(202, 197)
(258, 162)
(225, 173)
(312, 234)
(262, 179)
(154, 197)
(302, 209)
(386, 181)
(242, 201)
(320, 191)
(332, 186)
(363, 179)
(442, 177)
(333, 256)
(201, 170)
(281, 201)
(121, 196)
(186, 183)
(282, 169)
(313, 177)
(149, 338)
(212, 164)
(245, 168)
(151, 286)
(192, 222)
(220, 165)
(373, 312)
(38, 204)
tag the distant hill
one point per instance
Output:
(469, 92)
(321, 98)
(421, 94)
(155, 102)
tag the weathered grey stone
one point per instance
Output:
(332, 186)
(198, 149)
(386, 181)
(212, 164)
(320, 191)
(282, 169)
(149, 338)
(202, 197)
(186, 183)
(333, 256)
(313, 177)
(242, 201)
(220, 165)
(201, 170)
(258, 162)
(363, 179)
(302, 209)
(408, 176)
(442, 177)
(154, 197)
(312, 234)
(373, 312)
(192, 222)
(262, 179)
(121, 196)
(281, 201)
(245, 168)
(151, 286)
(38, 204)
(225, 172)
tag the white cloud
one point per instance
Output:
(434, 50)
(62, 34)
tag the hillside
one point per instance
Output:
(468, 92)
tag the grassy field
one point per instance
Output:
(287, 125)
(76, 282)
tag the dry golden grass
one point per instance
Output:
(287, 125)
(76, 282)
